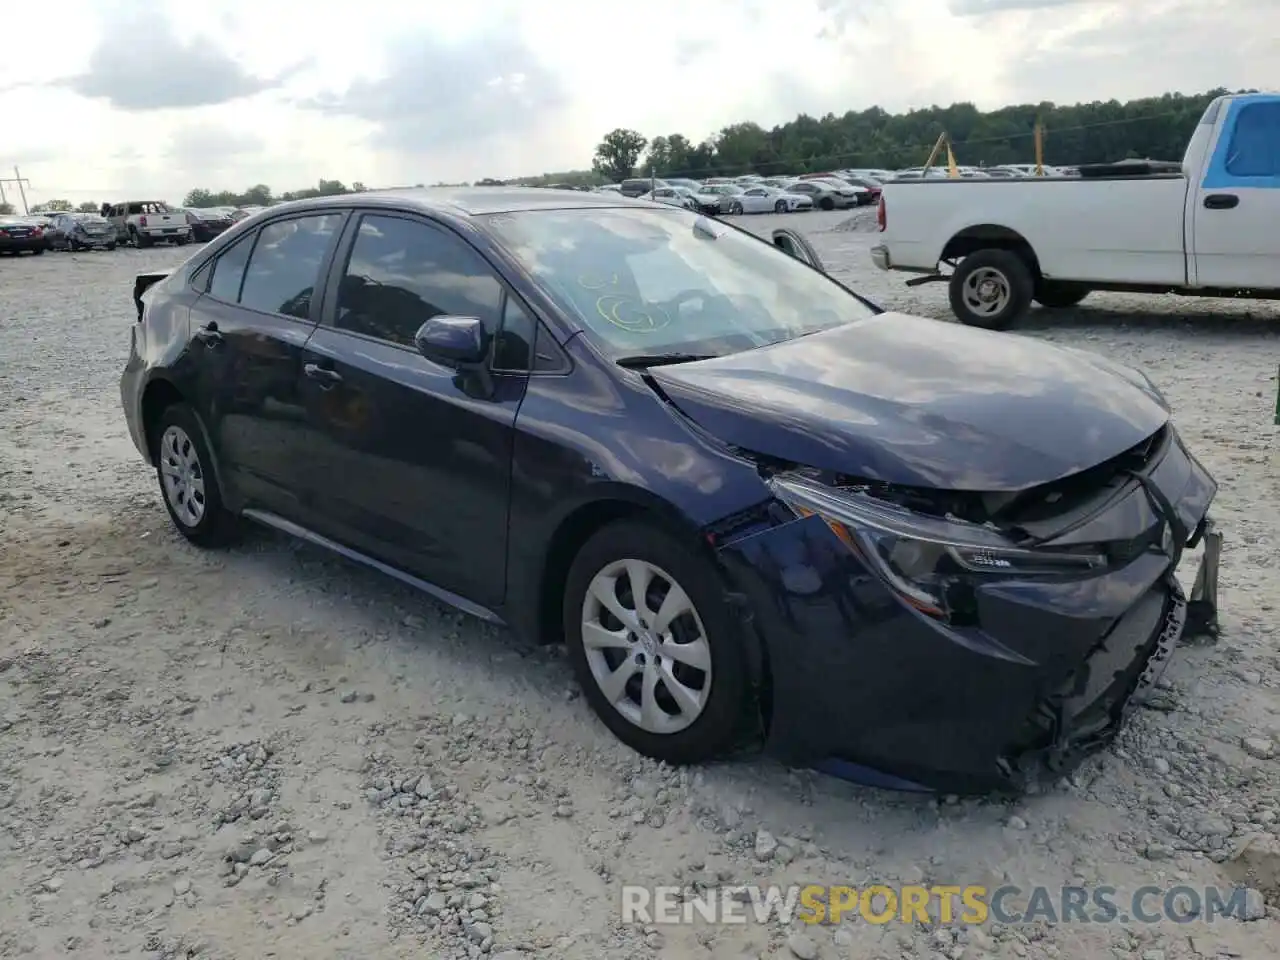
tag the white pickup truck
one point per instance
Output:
(1210, 228)
(145, 222)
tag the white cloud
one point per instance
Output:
(153, 97)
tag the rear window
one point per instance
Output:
(1255, 142)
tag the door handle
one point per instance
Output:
(209, 335)
(325, 376)
(1221, 201)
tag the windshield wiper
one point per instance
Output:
(658, 359)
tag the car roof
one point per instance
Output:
(467, 201)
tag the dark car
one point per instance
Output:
(637, 186)
(753, 505)
(20, 235)
(207, 224)
(81, 231)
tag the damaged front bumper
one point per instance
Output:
(861, 686)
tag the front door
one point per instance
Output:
(411, 460)
(248, 331)
(1236, 208)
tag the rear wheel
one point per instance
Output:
(37, 251)
(1056, 294)
(651, 640)
(188, 483)
(991, 289)
(735, 208)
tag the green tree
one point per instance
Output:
(6, 209)
(52, 206)
(617, 154)
(89, 207)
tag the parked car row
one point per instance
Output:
(137, 223)
(831, 190)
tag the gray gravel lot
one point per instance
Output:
(272, 752)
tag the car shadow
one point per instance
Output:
(1236, 318)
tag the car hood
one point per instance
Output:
(920, 402)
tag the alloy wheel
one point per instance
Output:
(646, 646)
(987, 291)
(182, 475)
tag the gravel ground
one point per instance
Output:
(270, 752)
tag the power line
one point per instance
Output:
(22, 183)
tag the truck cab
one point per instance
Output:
(1206, 227)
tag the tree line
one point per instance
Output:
(258, 195)
(1148, 128)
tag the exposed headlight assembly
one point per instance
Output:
(931, 563)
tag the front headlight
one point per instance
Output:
(931, 563)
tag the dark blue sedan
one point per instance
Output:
(757, 508)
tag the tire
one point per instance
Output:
(826, 203)
(991, 289)
(196, 508)
(780, 207)
(183, 241)
(1057, 295)
(111, 246)
(735, 208)
(37, 251)
(719, 695)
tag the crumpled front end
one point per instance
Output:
(988, 677)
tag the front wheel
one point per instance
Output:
(188, 482)
(1056, 294)
(827, 203)
(651, 641)
(991, 289)
(780, 207)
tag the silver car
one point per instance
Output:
(825, 195)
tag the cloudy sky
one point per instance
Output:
(103, 99)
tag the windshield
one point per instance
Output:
(663, 280)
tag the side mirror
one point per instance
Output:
(453, 341)
(792, 244)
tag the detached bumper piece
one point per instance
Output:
(1202, 607)
(1084, 713)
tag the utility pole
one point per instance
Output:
(22, 183)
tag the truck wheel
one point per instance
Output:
(991, 289)
(1056, 294)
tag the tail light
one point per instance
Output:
(142, 221)
(882, 215)
(37, 231)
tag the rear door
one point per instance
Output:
(412, 460)
(260, 304)
(1235, 211)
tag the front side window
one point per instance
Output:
(285, 267)
(668, 280)
(402, 272)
